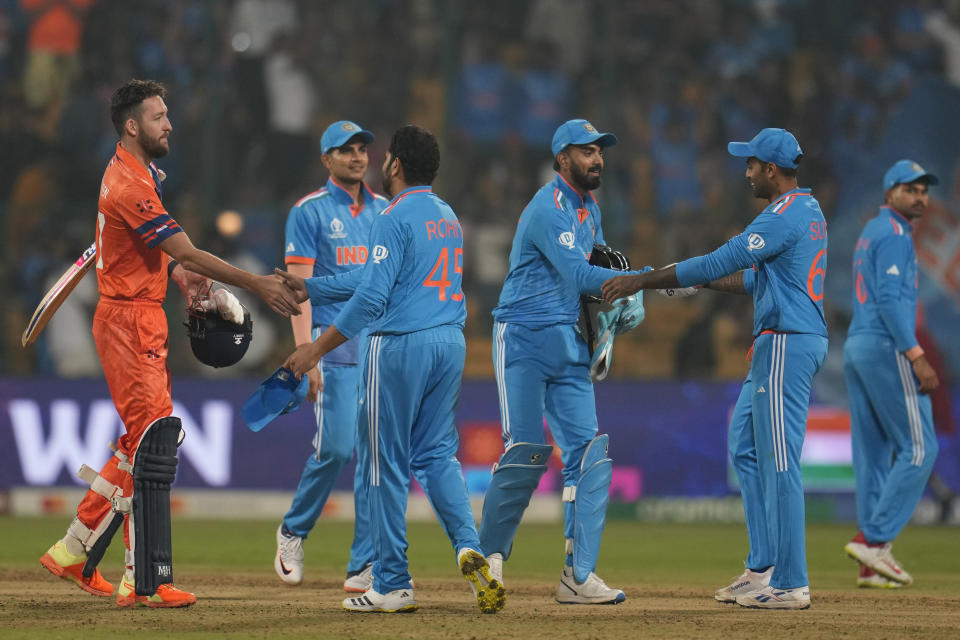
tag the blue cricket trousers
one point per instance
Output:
(412, 384)
(891, 425)
(743, 453)
(336, 414)
(781, 375)
(546, 372)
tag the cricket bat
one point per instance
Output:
(56, 295)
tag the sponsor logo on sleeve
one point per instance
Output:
(290, 248)
(380, 253)
(755, 242)
(566, 239)
(893, 271)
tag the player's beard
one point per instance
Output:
(154, 147)
(761, 188)
(387, 184)
(583, 180)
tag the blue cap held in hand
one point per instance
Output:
(579, 131)
(339, 134)
(778, 146)
(279, 394)
(905, 172)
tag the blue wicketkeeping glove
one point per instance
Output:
(631, 310)
(603, 350)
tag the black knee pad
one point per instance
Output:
(154, 469)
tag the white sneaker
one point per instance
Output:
(592, 591)
(880, 559)
(870, 579)
(360, 581)
(768, 597)
(289, 560)
(397, 601)
(744, 583)
(495, 560)
(491, 596)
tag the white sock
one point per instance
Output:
(73, 544)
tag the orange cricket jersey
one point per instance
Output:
(131, 222)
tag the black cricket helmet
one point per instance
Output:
(609, 258)
(215, 341)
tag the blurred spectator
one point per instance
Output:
(253, 29)
(544, 96)
(561, 23)
(53, 42)
(675, 159)
(292, 99)
(483, 93)
(944, 28)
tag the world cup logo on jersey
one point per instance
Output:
(566, 239)
(337, 228)
(379, 253)
(755, 242)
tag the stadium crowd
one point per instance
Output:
(253, 82)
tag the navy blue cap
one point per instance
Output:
(905, 172)
(340, 132)
(279, 394)
(579, 131)
(778, 146)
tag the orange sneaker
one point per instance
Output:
(167, 596)
(63, 564)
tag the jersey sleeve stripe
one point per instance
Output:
(310, 196)
(157, 230)
(299, 260)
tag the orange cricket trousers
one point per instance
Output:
(131, 338)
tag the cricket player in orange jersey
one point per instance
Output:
(136, 239)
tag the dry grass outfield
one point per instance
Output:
(667, 571)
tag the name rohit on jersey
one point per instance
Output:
(442, 228)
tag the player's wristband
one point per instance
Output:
(171, 266)
(913, 353)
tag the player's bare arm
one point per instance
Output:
(621, 286)
(303, 324)
(191, 284)
(732, 283)
(308, 355)
(271, 289)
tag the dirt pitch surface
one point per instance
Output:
(668, 571)
(33, 604)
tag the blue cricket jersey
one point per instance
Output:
(549, 259)
(886, 279)
(414, 274)
(328, 230)
(787, 246)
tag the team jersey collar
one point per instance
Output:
(896, 215)
(342, 196)
(151, 172)
(567, 189)
(793, 192)
(414, 189)
(562, 187)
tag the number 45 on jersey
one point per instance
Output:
(441, 268)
